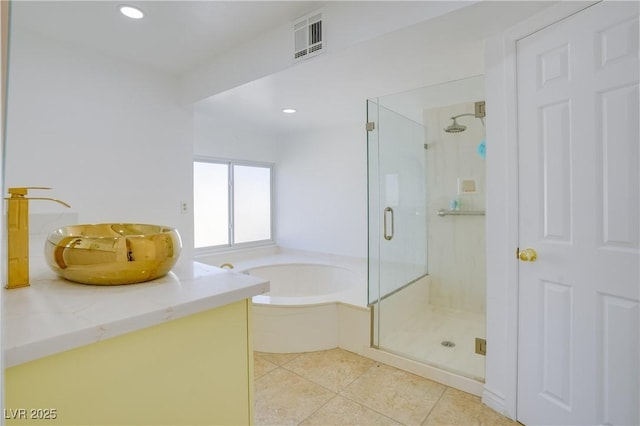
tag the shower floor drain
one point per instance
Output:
(447, 344)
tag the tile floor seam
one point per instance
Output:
(318, 409)
(434, 406)
(355, 402)
(325, 387)
(365, 405)
(340, 393)
(371, 408)
(376, 364)
(360, 375)
(266, 358)
(310, 380)
(265, 374)
(316, 383)
(278, 367)
(440, 407)
(292, 359)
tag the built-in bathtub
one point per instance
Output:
(315, 302)
(299, 317)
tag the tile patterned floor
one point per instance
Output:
(337, 387)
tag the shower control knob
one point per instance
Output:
(527, 255)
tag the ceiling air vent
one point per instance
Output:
(308, 37)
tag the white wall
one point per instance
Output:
(225, 138)
(320, 179)
(345, 24)
(322, 190)
(107, 136)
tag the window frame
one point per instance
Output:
(231, 244)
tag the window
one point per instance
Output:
(231, 203)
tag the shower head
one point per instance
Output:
(455, 127)
(458, 128)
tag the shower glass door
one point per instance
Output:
(397, 213)
(426, 207)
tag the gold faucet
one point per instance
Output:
(18, 235)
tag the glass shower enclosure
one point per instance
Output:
(426, 225)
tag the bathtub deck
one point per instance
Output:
(244, 261)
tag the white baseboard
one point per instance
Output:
(495, 401)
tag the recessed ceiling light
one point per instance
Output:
(288, 110)
(131, 12)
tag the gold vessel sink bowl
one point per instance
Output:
(112, 253)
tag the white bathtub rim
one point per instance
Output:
(356, 296)
(345, 297)
(280, 256)
(350, 295)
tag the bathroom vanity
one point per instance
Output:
(173, 351)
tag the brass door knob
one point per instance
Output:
(527, 255)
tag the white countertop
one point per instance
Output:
(54, 315)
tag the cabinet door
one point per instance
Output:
(196, 370)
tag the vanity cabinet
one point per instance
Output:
(193, 370)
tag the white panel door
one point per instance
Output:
(579, 198)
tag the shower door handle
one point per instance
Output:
(387, 223)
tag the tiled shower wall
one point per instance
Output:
(456, 244)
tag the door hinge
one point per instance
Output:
(518, 253)
(371, 126)
(481, 346)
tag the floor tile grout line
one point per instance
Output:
(340, 388)
(279, 365)
(356, 378)
(309, 380)
(276, 366)
(371, 408)
(303, 378)
(339, 393)
(434, 405)
(318, 409)
(293, 359)
(264, 375)
(335, 394)
(376, 364)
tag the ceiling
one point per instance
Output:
(332, 89)
(174, 37)
(178, 36)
